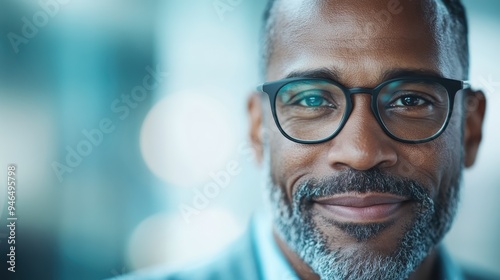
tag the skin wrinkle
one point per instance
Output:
(308, 36)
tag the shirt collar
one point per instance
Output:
(272, 262)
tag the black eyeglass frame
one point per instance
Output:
(452, 87)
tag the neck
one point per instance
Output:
(300, 267)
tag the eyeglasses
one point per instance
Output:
(413, 109)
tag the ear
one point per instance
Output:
(475, 107)
(254, 107)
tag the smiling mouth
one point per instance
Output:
(362, 208)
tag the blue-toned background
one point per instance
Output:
(127, 123)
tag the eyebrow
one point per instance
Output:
(405, 72)
(334, 74)
(323, 73)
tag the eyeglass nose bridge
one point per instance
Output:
(373, 107)
(360, 90)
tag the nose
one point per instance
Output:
(362, 144)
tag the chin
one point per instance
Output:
(385, 243)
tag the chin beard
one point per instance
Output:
(294, 224)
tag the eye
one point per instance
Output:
(312, 101)
(409, 101)
(312, 98)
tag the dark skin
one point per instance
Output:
(331, 35)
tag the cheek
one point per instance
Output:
(289, 161)
(438, 163)
(435, 164)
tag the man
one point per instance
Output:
(364, 126)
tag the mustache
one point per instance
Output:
(351, 180)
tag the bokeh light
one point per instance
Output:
(186, 135)
(168, 238)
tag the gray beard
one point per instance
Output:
(294, 224)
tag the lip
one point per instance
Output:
(363, 208)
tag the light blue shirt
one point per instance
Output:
(272, 261)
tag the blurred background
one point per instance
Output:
(127, 123)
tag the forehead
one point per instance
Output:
(359, 40)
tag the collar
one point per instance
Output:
(271, 261)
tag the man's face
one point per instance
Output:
(362, 205)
